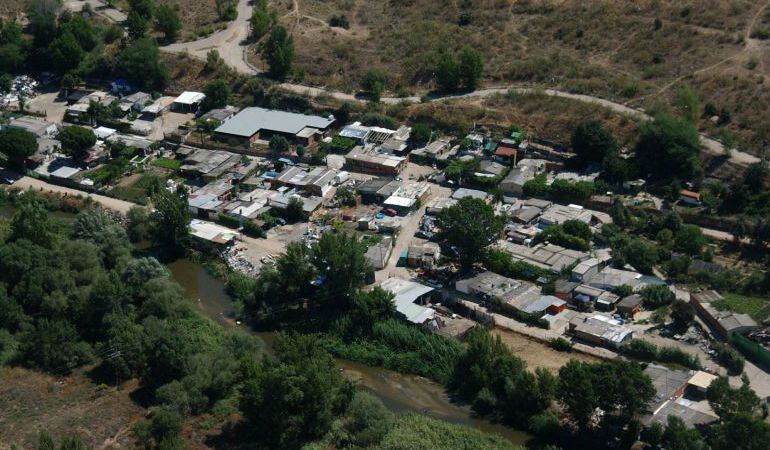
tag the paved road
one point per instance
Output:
(107, 202)
(231, 43)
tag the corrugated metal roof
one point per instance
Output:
(249, 121)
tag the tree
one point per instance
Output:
(677, 436)
(171, 220)
(32, 222)
(65, 53)
(261, 21)
(420, 135)
(740, 431)
(137, 25)
(687, 102)
(591, 142)
(668, 148)
(689, 239)
(42, 21)
(577, 392)
(166, 424)
(374, 83)
(143, 8)
(682, 314)
(447, 72)
(340, 259)
(54, 346)
(728, 401)
(345, 196)
(141, 64)
(296, 398)
(279, 52)
(371, 307)
(470, 225)
(217, 95)
(278, 145)
(368, 420)
(13, 47)
(657, 295)
(294, 210)
(167, 21)
(17, 145)
(77, 140)
(138, 227)
(470, 68)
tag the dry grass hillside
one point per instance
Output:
(637, 52)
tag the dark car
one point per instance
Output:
(424, 234)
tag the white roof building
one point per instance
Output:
(406, 294)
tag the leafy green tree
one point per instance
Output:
(166, 423)
(591, 142)
(171, 220)
(13, 50)
(17, 145)
(657, 295)
(374, 83)
(141, 64)
(677, 436)
(536, 187)
(740, 431)
(568, 192)
(278, 145)
(32, 222)
(420, 135)
(279, 52)
(296, 398)
(447, 72)
(167, 21)
(340, 259)
(137, 25)
(668, 148)
(726, 400)
(682, 314)
(54, 346)
(371, 307)
(294, 210)
(77, 140)
(85, 34)
(217, 95)
(577, 392)
(687, 102)
(42, 21)
(470, 68)
(345, 196)
(138, 227)
(261, 20)
(368, 420)
(689, 239)
(471, 225)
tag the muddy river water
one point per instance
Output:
(399, 392)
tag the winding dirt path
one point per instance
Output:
(232, 44)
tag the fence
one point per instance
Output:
(752, 351)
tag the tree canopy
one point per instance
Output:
(141, 64)
(17, 145)
(470, 225)
(591, 142)
(668, 148)
(278, 50)
(77, 140)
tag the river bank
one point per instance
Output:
(399, 392)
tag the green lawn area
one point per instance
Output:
(166, 163)
(758, 308)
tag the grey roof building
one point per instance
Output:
(251, 121)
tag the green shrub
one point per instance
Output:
(560, 344)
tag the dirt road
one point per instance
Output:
(107, 202)
(231, 43)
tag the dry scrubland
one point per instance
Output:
(638, 52)
(199, 17)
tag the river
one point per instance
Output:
(399, 392)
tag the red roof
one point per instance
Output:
(689, 194)
(505, 151)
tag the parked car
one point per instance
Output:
(424, 234)
(390, 212)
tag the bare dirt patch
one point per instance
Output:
(537, 354)
(34, 402)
